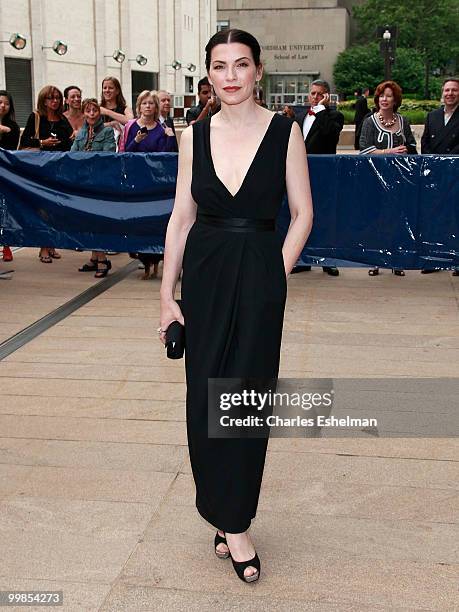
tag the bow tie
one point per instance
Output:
(311, 112)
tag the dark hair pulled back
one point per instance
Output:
(233, 35)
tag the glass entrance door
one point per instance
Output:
(289, 89)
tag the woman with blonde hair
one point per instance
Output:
(147, 134)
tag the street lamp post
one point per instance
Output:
(387, 35)
(387, 63)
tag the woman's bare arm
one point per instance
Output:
(299, 199)
(122, 118)
(182, 218)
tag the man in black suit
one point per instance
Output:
(321, 128)
(441, 130)
(164, 113)
(361, 111)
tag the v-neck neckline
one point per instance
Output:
(251, 163)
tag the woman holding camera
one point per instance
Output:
(48, 130)
(147, 134)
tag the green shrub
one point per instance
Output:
(419, 105)
(407, 104)
(414, 110)
(348, 115)
(415, 116)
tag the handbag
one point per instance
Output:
(175, 338)
(36, 135)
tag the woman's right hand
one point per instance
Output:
(50, 142)
(140, 136)
(169, 311)
(400, 150)
(4, 129)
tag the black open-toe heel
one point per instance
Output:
(220, 540)
(103, 268)
(90, 267)
(398, 272)
(373, 272)
(240, 566)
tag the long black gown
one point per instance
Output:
(233, 298)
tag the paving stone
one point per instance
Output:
(74, 540)
(77, 596)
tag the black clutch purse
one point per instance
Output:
(175, 339)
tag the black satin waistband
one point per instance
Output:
(237, 224)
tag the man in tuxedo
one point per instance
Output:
(441, 130)
(164, 113)
(321, 128)
(361, 111)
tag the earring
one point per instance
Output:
(257, 89)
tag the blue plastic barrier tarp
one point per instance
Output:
(389, 211)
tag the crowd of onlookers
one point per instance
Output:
(381, 130)
(65, 122)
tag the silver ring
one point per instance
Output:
(160, 330)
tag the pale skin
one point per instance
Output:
(239, 127)
(109, 94)
(386, 108)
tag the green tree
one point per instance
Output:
(430, 27)
(407, 70)
(363, 66)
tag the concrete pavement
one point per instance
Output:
(96, 493)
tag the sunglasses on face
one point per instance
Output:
(53, 98)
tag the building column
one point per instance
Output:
(37, 35)
(166, 35)
(99, 44)
(2, 54)
(126, 80)
(178, 27)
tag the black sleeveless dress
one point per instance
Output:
(233, 298)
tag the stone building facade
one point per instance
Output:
(300, 40)
(164, 31)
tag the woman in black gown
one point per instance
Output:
(233, 171)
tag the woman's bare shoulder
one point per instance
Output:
(186, 142)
